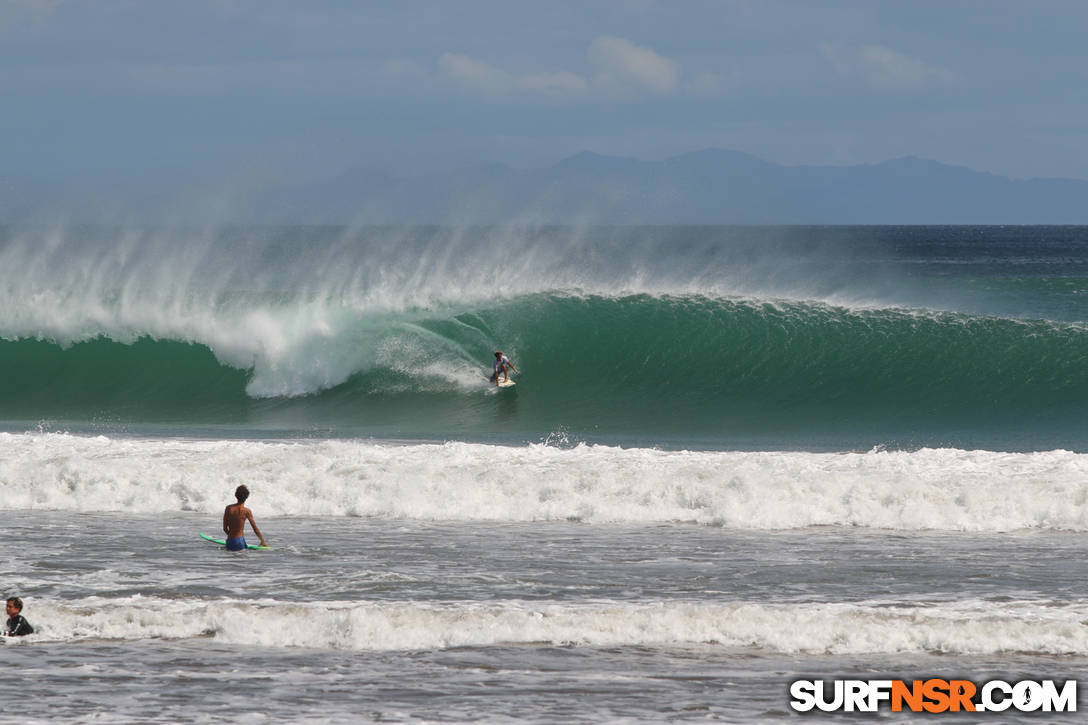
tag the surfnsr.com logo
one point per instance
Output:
(933, 695)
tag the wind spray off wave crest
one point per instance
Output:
(219, 286)
(388, 332)
(302, 309)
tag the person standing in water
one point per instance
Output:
(502, 365)
(234, 522)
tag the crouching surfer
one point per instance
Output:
(502, 366)
(234, 522)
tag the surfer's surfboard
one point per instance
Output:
(223, 542)
(507, 384)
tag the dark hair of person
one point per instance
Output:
(17, 602)
(241, 493)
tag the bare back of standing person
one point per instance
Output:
(235, 517)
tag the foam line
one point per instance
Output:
(939, 489)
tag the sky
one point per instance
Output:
(146, 90)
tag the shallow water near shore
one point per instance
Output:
(384, 619)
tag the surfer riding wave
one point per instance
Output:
(503, 366)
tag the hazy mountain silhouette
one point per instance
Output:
(705, 187)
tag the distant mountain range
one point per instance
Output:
(704, 187)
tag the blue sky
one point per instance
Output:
(117, 90)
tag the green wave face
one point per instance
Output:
(147, 380)
(727, 337)
(669, 369)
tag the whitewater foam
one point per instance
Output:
(941, 489)
(969, 627)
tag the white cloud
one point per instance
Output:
(618, 67)
(622, 66)
(475, 75)
(884, 68)
(558, 82)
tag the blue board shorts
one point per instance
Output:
(238, 543)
